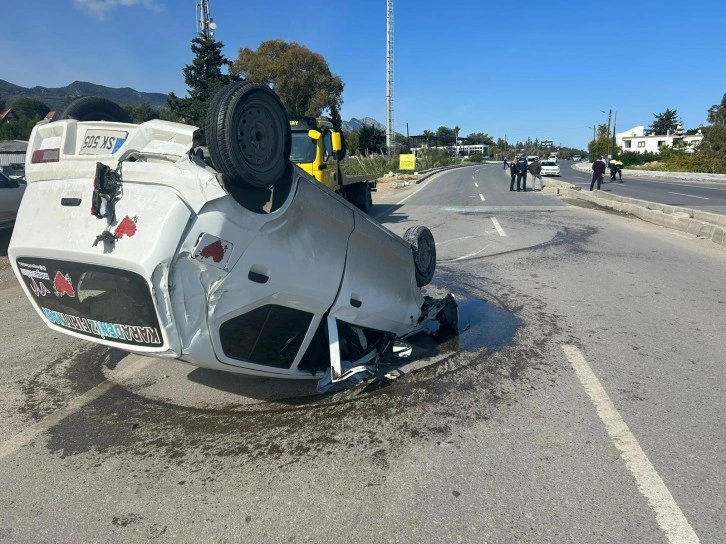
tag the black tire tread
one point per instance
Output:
(221, 120)
(415, 236)
(95, 108)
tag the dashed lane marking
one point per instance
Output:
(497, 226)
(482, 197)
(669, 516)
(689, 196)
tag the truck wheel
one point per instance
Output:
(95, 108)
(359, 194)
(248, 134)
(424, 253)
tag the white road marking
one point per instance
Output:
(16, 442)
(497, 226)
(454, 240)
(482, 197)
(690, 196)
(667, 513)
(469, 256)
(476, 184)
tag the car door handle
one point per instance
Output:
(258, 274)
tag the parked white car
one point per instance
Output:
(11, 194)
(550, 168)
(251, 267)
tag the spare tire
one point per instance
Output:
(248, 134)
(424, 253)
(95, 108)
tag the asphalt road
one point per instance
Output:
(699, 195)
(582, 401)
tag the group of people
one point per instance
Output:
(519, 168)
(598, 171)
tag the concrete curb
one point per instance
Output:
(702, 224)
(682, 176)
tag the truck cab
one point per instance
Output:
(315, 148)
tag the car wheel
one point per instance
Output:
(424, 253)
(95, 108)
(248, 134)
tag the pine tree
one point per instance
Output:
(204, 78)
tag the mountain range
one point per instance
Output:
(56, 98)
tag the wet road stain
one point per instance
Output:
(479, 371)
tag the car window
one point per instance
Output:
(6, 181)
(304, 149)
(96, 301)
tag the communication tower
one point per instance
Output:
(390, 133)
(205, 23)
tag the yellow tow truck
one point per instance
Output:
(317, 148)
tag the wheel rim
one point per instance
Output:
(257, 135)
(423, 255)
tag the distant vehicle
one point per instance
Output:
(552, 157)
(531, 159)
(14, 170)
(550, 168)
(11, 193)
(576, 158)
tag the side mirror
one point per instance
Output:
(337, 141)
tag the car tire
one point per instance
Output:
(424, 253)
(95, 108)
(248, 134)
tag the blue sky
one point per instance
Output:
(531, 69)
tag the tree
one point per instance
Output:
(371, 140)
(300, 77)
(30, 107)
(482, 138)
(665, 122)
(717, 113)
(145, 112)
(445, 135)
(351, 141)
(204, 78)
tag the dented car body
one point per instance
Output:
(176, 261)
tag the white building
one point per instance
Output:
(635, 139)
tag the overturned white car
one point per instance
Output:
(129, 238)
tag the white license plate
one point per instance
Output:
(102, 142)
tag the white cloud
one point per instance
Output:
(100, 8)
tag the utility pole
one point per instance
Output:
(205, 24)
(390, 133)
(607, 145)
(615, 120)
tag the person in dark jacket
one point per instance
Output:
(598, 171)
(522, 173)
(535, 168)
(513, 172)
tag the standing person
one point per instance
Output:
(505, 162)
(535, 168)
(598, 171)
(513, 172)
(522, 173)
